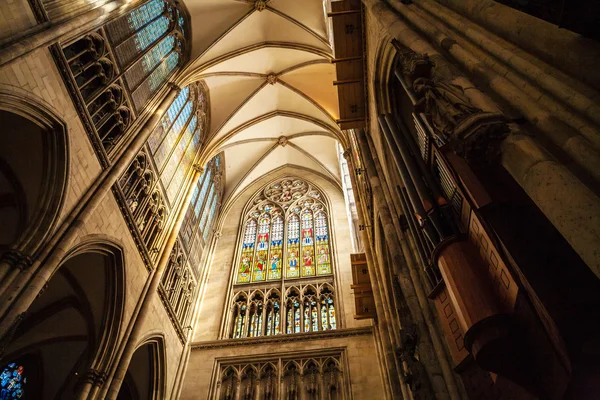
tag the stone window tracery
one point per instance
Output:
(303, 309)
(114, 71)
(285, 246)
(282, 378)
(287, 221)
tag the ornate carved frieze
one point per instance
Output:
(319, 376)
(321, 335)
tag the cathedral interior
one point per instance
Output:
(299, 199)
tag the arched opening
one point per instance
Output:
(33, 171)
(144, 377)
(67, 336)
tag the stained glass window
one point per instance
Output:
(276, 248)
(285, 237)
(147, 45)
(322, 244)
(273, 316)
(175, 141)
(293, 249)
(203, 208)
(308, 244)
(12, 382)
(247, 252)
(313, 311)
(299, 232)
(293, 317)
(262, 249)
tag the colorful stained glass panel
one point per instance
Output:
(262, 249)
(276, 248)
(293, 247)
(322, 244)
(308, 248)
(244, 273)
(12, 382)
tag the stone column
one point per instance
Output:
(523, 160)
(390, 365)
(431, 347)
(27, 286)
(13, 262)
(566, 49)
(151, 293)
(571, 207)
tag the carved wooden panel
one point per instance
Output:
(348, 41)
(504, 284)
(452, 330)
(363, 293)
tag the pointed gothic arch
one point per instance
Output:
(34, 168)
(73, 327)
(284, 247)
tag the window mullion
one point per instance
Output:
(158, 64)
(168, 131)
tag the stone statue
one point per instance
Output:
(446, 105)
(469, 131)
(415, 374)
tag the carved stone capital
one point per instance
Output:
(172, 85)
(414, 65)
(16, 259)
(95, 377)
(347, 154)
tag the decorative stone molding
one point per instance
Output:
(198, 168)
(283, 338)
(17, 259)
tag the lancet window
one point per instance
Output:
(156, 177)
(302, 309)
(114, 71)
(179, 282)
(288, 221)
(13, 381)
(283, 378)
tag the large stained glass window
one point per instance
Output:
(175, 141)
(285, 239)
(204, 206)
(12, 382)
(147, 44)
(292, 223)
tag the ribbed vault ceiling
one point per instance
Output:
(268, 69)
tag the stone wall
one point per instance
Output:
(15, 17)
(221, 269)
(36, 76)
(362, 373)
